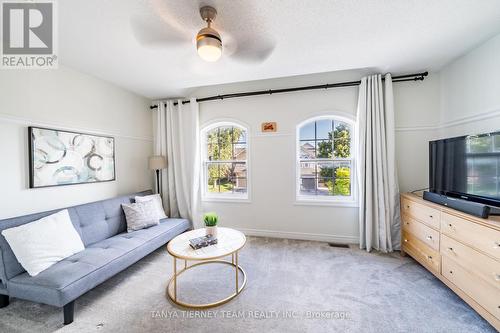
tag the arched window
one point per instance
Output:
(325, 160)
(225, 161)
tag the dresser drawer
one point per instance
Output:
(482, 292)
(424, 233)
(474, 261)
(428, 215)
(421, 252)
(480, 237)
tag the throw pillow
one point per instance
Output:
(42, 243)
(158, 203)
(140, 215)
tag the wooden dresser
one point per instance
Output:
(461, 250)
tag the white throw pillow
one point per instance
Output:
(140, 215)
(40, 244)
(160, 212)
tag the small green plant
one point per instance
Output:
(210, 219)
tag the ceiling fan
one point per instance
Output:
(208, 40)
(226, 40)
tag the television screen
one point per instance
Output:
(466, 167)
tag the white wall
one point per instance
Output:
(470, 92)
(272, 210)
(67, 99)
(417, 116)
(462, 98)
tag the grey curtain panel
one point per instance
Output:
(177, 138)
(379, 219)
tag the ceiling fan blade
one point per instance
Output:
(253, 51)
(183, 17)
(244, 40)
(158, 25)
(152, 31)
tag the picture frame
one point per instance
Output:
(63, 157)
(269, 127)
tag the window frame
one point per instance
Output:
(473, 156)
(319, 200)
(204, 161)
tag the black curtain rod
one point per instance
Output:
(400, 78)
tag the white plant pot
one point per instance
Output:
(211, 231)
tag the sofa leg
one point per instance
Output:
(69, 310)
(4, 301)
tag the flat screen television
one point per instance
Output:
(466, 167)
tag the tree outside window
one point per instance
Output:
(225, 161)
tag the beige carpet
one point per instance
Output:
(293, 286)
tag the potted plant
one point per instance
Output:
(211, 220)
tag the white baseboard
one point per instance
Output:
(300, 236)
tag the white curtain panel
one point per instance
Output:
(177, 138)
(379, 219)
(160, 147)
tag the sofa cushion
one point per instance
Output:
(102, 219)
(42, 243)
(75, 275)
(140, 215)
(94, 222)
(156, 198)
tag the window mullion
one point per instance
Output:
(326, 160)
(333, 138)
(226, 161)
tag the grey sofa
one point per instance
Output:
(109, 249)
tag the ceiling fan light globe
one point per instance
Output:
(209, 53)
(209, 48)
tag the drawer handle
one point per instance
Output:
(497, 276)
(451, 249)
(429, 257)
(451, 272)
(429, 237)
(497, 245)
(406, 241)
(408, 206)
(431, 216)
(451, 226)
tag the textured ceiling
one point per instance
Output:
(148, 46)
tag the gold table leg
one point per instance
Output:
(172, 284)
(236, 270)
(175, 279)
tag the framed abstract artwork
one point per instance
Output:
(58, 157)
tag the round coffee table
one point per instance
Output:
(229, 242)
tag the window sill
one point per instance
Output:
(328, 203)
(226, 199)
